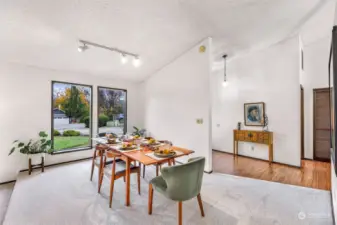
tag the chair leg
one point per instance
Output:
(101, 173)
(180, 213)
(150, 199)
(157, 170)
(174, 162)
(143, 171)
(93, 165)
(112, 184)
(100, 181)
(138, 180)
(201, 206)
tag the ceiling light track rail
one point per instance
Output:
(88, 43)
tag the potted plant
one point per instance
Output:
(138, 132)
(35, 149)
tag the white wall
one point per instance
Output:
(316, 59)
(176, 96)
(270, 76)
(25, 109)
(316, 36)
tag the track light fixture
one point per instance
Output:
(136, 60)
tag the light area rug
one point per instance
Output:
(64, 195)
(5, 194)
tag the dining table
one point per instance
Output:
(141, 154)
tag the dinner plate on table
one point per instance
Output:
(113, 142)
(128, 148)
(164, 155)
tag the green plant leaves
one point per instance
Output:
(43, 134)
(12, 150)
(41, 145)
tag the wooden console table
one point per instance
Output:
(253, 136)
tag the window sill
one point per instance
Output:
(72, 150)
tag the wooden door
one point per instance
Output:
(302, 122)
(321, 124)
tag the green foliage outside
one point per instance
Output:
(61, 143)
(70, 133)
(102, 120)
(85, 115)
(74, 106)
(86, 121)
(110, 103)
(56, 133)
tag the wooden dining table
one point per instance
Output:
(139, 155)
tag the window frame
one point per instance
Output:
(126, 106)
(52, 119)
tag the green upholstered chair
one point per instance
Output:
(179, 183)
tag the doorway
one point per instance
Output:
(302, 122)
(321, 124)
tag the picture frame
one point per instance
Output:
(254, 114)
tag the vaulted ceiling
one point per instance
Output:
(45, 33)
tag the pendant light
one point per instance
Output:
(225, 83)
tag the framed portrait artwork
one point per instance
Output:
(254, 114)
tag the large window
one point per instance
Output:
(112, 110)
(71, 116)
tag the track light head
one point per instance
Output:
(82, 47)
(124, 59)
(136, 61)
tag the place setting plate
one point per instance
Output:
(113, 142)
(133, 147)
(164, 155)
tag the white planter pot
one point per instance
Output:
(36, 158)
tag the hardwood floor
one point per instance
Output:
(313, 174)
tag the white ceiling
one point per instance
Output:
(44, 33)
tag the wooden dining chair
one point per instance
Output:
(117, 170)
(179, 183)
(97, 159)
(98, 156)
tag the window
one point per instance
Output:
(71, 117)
(112, 110)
